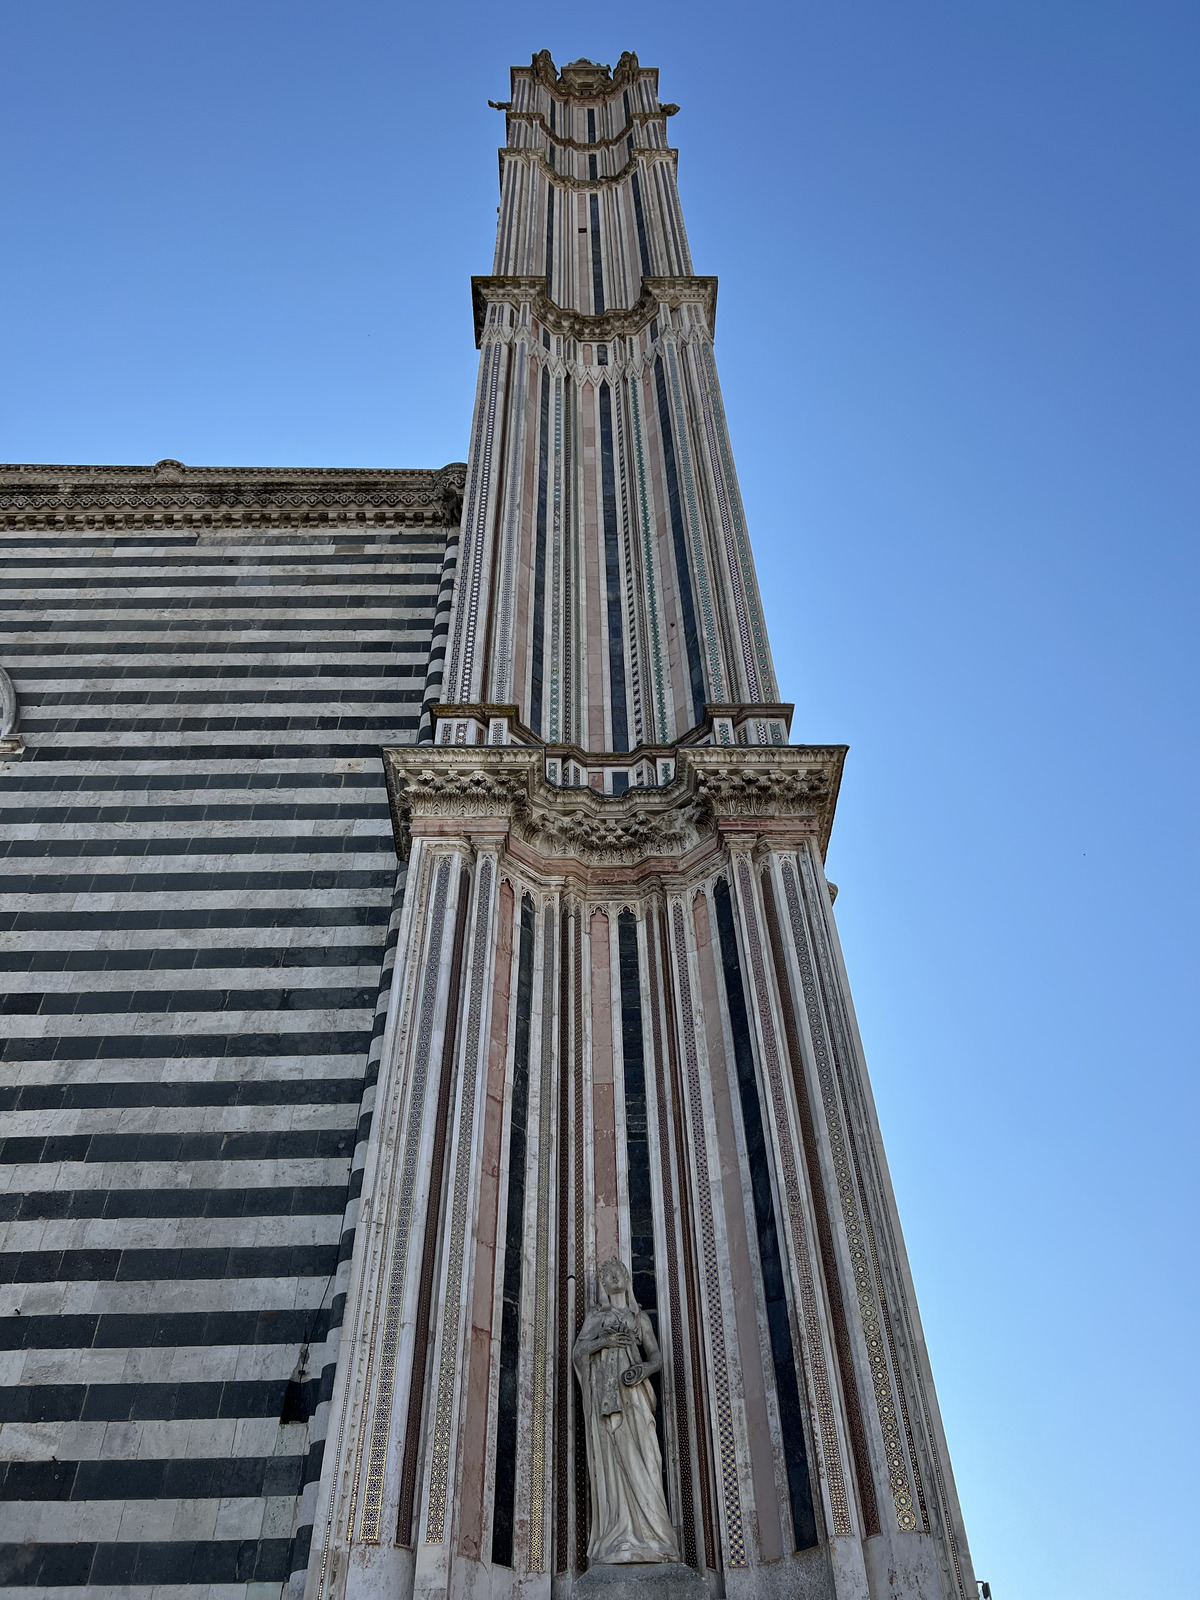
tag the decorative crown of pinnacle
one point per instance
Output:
(584, 79)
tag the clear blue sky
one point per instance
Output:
(958, 254)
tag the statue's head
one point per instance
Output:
(614, 1278)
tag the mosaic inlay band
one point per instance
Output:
(381, 1418)
(673, 1308)
(838, 1021)
(463, 656)
(745, 559)
(835, 1479)
(881, 1381)
(731, 554)
(716, 671)
(541, 1288)
(509, 542)
(658, 723)
(447, 1366)
(735, 1537)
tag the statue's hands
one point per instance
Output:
(633, 1375)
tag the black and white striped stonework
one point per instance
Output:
(197, 883)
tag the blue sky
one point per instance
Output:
(958, 251)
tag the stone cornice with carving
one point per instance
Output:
(481, 789)
(567, 180)
(636, 119)
(585, 80)
(616, 324)
(42, 494)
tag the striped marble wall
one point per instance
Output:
(199, 881)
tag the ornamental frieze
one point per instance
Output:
(712, 786)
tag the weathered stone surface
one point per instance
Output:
(657, 1580)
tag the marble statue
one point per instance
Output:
(8, 707)
(615, 1356)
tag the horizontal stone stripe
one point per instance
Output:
(158, 1439)
(291, 1143)
(167, 1000)
(131, 1523)
(66, 986)
(164, 1329)
(207, 1478)
(44, 1236)
(146, 1298)
(228, 1092)
(266, 669)
(273, 817)
(42, 598)
(196, 1069)
(345, 698)
(219, 1121)
(157, 747)
(216, 1173)
(152, 957)
(293, 545)
(154, 633)
(215, 719)
(296, 1201)
(110, 674)
(72, 576)
(179, 1046)
(131, 634)
(175, 832)
(220, 909)
(151, 882)
(260, 1363)
(191, 1562)
(214, 847)
(29, 581)
(171, 776)
(227, 614)
(150, 1402)
(158, 1266)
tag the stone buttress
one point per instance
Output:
(619, 1023)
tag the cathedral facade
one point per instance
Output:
(421, 978)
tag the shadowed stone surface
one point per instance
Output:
(658, 1580)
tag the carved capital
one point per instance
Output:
(439, 790)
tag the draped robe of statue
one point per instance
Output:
(615, 1356)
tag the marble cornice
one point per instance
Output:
(68, 495)
(500, 792)
(584, 81)
(614, 324)
(533, 157)
(566, 143)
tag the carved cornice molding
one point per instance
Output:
(565, 180)
(748, 784)
(452, 791)
(583, 79)
(564, 142)
(230, 496)
(615, 324)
